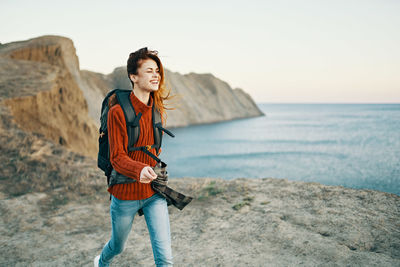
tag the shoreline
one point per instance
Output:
(288, 179)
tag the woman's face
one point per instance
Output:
(148, 77)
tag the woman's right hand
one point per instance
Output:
(147, 175)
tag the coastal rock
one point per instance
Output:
(47, 93)
(208, 99)
(40, 84)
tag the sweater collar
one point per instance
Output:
(139, 105)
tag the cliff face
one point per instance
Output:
(208, 99)
(41, 85)
(47, 93)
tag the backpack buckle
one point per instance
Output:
(148, 147)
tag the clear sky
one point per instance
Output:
(339, 51)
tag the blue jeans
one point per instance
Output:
(157, 219)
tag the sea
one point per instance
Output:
(352, 145)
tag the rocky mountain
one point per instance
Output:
(41, 86)
(47, 93)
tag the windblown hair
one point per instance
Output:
(134, 62)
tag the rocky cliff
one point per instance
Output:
(41, 85)
(47, 93)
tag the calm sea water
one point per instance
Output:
(354, 145)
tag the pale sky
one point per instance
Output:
(310, 51)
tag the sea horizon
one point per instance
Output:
(353, 145)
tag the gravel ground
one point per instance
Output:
(241, 222)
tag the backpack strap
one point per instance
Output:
(156, 119)
(146, 149)
(132, 120)
(157, 128)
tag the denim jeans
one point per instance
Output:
(157, 219)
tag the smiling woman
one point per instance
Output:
(146, 74)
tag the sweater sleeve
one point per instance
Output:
(118, 141)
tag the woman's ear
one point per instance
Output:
(132, 78)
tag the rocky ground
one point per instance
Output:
(242, 222)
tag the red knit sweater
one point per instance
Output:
(131, 164)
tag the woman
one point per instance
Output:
(146, 74)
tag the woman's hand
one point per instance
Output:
(147, 175)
